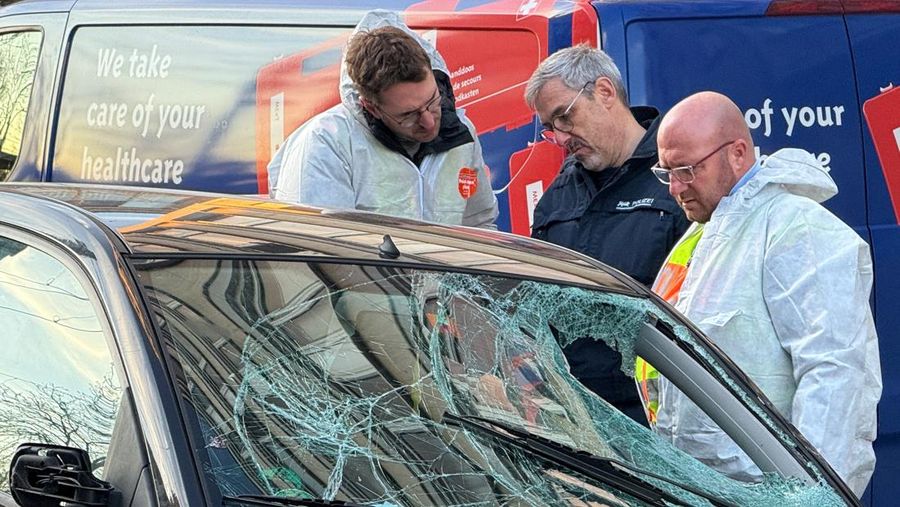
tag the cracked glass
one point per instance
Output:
(388, 386)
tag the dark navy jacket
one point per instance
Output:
(630, 223)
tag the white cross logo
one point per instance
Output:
(527, 7)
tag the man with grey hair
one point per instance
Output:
(605, 201)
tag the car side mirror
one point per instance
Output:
(43, 475)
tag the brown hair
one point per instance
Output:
(383, 57)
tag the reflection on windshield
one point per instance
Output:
(331, 381)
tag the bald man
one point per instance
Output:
(776, 281)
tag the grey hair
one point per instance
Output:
(575, 66)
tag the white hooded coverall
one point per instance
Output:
(334, 161)
(782, 286)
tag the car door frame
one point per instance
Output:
(94, 253)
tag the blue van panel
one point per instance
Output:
(668, 50)
(650, 9)
(800, 93)
(885, 245)
(560, 33)
(497, 147)
(878, 66)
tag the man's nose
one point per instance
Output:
(562, 137)
(427, 119)
(676, 186)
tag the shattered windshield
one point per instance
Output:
(348, 382)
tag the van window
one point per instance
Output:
(18, 63)
(173, 106)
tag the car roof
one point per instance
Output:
(158, 223)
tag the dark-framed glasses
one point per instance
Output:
(409, 119)
(684, 173)
(561, 122)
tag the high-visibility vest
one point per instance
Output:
(671, 277)
(648, 385)
(667, 285)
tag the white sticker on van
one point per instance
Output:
(533, 193)
(794, 117)
(527, 7)
(276, 122)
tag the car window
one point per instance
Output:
(57, 381)
(337, 381)
(18, 64)
(176, 106)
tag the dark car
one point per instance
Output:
(175, 348)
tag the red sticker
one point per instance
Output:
(468, 182)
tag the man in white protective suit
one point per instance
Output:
(396, 144)
(776, 281)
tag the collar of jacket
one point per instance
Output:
(452, 133)
(649, 118)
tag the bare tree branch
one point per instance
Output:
(48, 413)
(18, 63)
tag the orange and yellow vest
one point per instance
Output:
(667, 286)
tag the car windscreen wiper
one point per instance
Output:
(283, 500)
(609, 471)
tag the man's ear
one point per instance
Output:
(739, 154)
(370, 107)
(605, 91)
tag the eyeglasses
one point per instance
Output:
(409, 119)
(685, 173)
(561, 122)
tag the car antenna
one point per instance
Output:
(387, 249)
